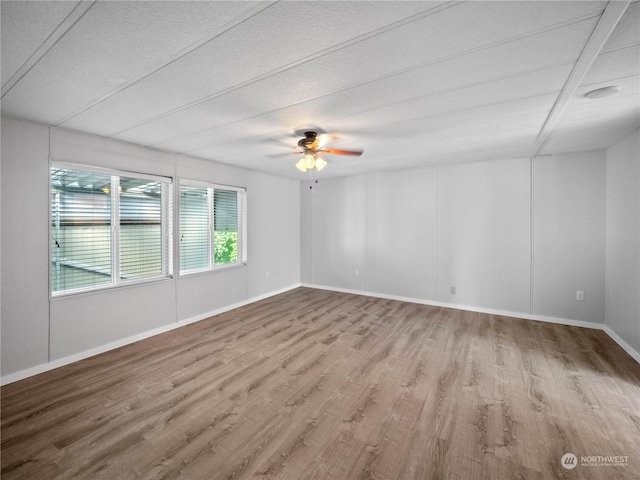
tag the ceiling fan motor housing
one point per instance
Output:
(306, 142)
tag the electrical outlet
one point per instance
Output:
(452, 290)
(267, 275)
(357, 273)
(580, 295)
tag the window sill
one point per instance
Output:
(110, 287)
(218, 269)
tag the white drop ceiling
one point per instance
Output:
(412, 83)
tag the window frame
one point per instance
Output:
(241, 221)
(166, 228)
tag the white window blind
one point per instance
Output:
(99, 238)
(143, 253)
(194, 227)
(212, 227)
(80, 229)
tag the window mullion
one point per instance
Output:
(115, 229)
(242, 215)
(167, 232)
(210, 227)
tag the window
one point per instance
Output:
(101, 239)
(212, 227)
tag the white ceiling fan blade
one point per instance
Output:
(322, 140)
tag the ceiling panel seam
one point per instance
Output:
(195, 103)
(295, 63)
(451, 112)
(175, 57)
(463, 87)
(386, 105)
(617, 49)
(610, 79)
(58, 33)
(605, 26)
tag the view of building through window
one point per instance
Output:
(98, 238)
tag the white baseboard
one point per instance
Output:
(469, 308)
(625, 346)
(45, 367)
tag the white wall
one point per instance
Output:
(274, 233)
(400, 222)
(339, 232)
(25, 286)
(483, 234)
(306, 228)
(623, 242)
(569, 235)
(417, 233)
(37, 331)
(82, 322)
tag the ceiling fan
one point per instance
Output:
(312, 146)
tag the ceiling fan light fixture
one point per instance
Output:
(309, 160)
(301, 166)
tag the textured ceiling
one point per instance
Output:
(411, 83)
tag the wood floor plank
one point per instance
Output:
(313, 384)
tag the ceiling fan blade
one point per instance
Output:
(279, 143)
(322, 140)
(283, 154)
(335, 151)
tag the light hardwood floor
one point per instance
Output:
(312, 384)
